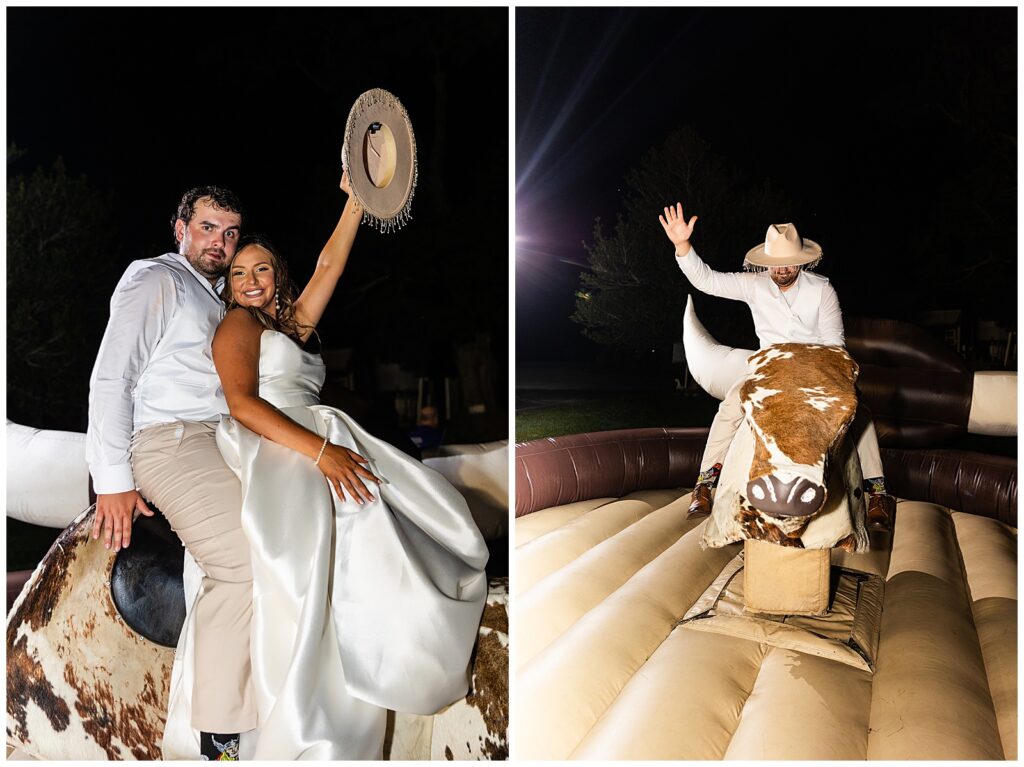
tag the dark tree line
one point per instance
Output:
(61, 257)
(909, 185)
(633, 294)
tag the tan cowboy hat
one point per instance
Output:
(380, 154)
(783, 246)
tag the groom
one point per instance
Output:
(154, 403)
(788, 304)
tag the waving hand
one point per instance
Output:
(676, 227)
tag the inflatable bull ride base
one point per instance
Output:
(782, 626)
(91, 636)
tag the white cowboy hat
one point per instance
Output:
(783, 246)
(380, 154)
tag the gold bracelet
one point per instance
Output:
(321, 453)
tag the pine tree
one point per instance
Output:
(633, 294)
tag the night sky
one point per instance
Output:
(865, 117)
(880, 124)
(150, 102)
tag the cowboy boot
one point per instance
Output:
(701, 503)
(881, 511)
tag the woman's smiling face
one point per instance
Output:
(253, 280)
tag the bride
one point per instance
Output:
(368, 581)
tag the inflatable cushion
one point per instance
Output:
(605, 671)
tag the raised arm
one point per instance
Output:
(311, 303)
(733, 285)
(236, 354)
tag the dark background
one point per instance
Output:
(146, 103)
(892, 131)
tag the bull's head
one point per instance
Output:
(799, 401)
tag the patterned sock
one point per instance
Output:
(709, 476)
(875, 486)
(218, 747)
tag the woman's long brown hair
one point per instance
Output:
(285, 291)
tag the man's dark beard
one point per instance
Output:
(217, 270)
(788, 282)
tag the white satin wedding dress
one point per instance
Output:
(356, 608)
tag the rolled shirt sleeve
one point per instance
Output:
(734, 285)
(830, 317)
(143, 304)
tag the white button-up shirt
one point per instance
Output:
(154, 365)
(807, 313)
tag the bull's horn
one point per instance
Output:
(993, 404)
(715, 367)
(47, 476)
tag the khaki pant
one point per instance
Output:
(730, 413)
(179, 468)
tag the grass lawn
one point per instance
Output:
(611, 410)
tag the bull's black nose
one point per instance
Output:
(797, 498)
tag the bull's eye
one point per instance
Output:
(807, 496)
(757, 492)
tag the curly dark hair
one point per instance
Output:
(284, 288)
(221, 197)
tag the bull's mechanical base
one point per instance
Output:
(847, 633)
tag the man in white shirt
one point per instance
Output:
(789, 305)
(154, 403)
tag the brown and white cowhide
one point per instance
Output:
(791, 476)
(82, 684)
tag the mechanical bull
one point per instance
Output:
(791, 476)
(91, 638)
(81, 683)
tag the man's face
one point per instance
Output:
(783, 276)
(209, 240)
